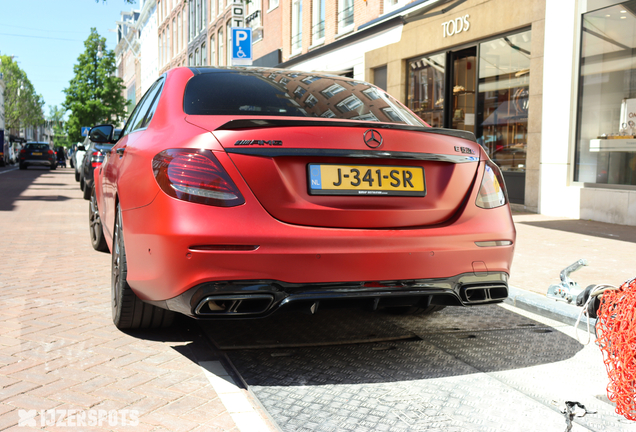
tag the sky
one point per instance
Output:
(47, 37)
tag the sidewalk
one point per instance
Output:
(62, 362)
(546, 245)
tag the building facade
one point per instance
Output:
(546, 87)
(148, 45)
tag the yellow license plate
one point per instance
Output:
(36, 154)
(383, 180)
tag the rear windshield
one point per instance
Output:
(37, 146)
(267, 92)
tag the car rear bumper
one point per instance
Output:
(38, 162)
(173, 247)
(256, 299)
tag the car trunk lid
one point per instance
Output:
(343, 174)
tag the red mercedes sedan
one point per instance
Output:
(235, 192)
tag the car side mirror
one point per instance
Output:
(101, 134)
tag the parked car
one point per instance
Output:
(235, 192)
(78, 158)
(71, 158)
(37, 154)
(94, 158)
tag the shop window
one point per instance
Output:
(503, 99)
(426, 88)
(605, 150)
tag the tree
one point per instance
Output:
(95, 94)
(56, 119)
(22, 106)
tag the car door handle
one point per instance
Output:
(120, 151)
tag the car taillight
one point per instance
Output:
(492, 192)
(195, 176)
(23, 151)
(51, 152)
(95, 159)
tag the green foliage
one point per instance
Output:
(94, 95)
(22, 106)
(56, 119)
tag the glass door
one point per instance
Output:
(462, 89)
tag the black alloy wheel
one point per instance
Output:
(98, 241)
(76, 176)
(128, 311)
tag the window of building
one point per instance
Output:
(220, 8)
(228, 35)
(197, 57)
(332, 90)
(165, 48)
(160, 52)
(391, 114)
(179, 40)
(191, 60)
(391, 5)
(175, 45)
(273, 4)
(168, 47)
(212, 53)
(371, 93)
(345, 15)
(328, 114)
(371, 117)
(192, 20)
(605, 153)
(380, 77)
(299, 92)
(311, 101)
(212, 10)
(349, 104)
(204, 60)
(253, 19)
(310, 79)
(318, 22)
(297, 26)
(185, 28)
(220, 39)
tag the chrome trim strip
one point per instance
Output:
(369, 154)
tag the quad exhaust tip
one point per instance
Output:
(483, 293)
(234, 305)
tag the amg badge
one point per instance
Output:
(258, 142)
(464, 150)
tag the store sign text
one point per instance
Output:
(456, 26)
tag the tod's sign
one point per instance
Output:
(456, 26)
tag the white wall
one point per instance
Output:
(557, 195)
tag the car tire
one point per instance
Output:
(128, 311)
(81, 183)
(413, 310)
(98, 241)
(76, 176)
(22, 166)
(87, 192)
(53, 167)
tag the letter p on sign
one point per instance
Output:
(241, 46)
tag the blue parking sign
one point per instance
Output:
(85, 130)
(241, 46)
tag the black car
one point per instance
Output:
(37, 154)
(94, 157)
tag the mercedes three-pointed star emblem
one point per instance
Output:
(372, 138)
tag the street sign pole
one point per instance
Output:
(241, 46)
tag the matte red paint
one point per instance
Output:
(301, 238)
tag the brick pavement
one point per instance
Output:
(58, 347)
